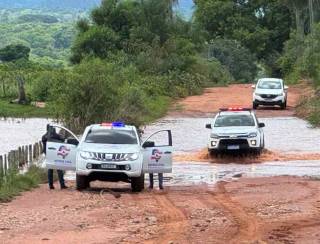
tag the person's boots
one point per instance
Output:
(51, 187)
(64, 187)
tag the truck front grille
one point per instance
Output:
(241, 142)
(268, 96)
(107, 157)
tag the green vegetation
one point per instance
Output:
(301, 57)
(13, 183)
(23, 111)
(127, 60)
(48, 34)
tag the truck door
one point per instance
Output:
(61, 152)
(157, 153)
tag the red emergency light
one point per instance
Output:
(235, 109)
(113, 124)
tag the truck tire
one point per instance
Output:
(82, 182)
(137, 183)
(255, 105)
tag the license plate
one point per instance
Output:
(108, 166)
(233, 147)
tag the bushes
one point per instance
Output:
(301, 58)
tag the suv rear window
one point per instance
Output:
(234, 120)
(111, 137)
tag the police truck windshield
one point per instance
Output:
(111, 137)
(234, 120)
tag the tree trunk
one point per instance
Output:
(22, 99)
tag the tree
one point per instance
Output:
(16, 58)
(14, 52)
(260, 26)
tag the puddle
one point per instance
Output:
(281, 134)
(18, 132)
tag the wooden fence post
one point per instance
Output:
(1, 167)
(26, 155)
(5, 164)
(30, 154)
(41, 147)
(20, 154)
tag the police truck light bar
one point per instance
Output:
(113, 124)
(235, 109)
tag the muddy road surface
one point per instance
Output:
(271, 199)
(250, 210)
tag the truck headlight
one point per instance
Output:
(253, 134)
(215, 136)
(86, 155)
(253, 142)
(132, 156)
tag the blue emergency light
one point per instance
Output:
(118, 124)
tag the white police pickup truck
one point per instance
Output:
(111, 152)
(235, 129)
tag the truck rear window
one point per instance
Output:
(111, 137)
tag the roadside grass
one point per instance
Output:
(157, 107)
(309, 109)
(14, 183)
(8, 109)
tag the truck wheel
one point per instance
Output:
(212, 153)
(82, 182)
(137, 183)
(258, 151)
(255, 105)
(283, 105)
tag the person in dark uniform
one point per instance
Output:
(53, 136)
(160, 177)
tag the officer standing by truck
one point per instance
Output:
(52, 135)
(160, 178)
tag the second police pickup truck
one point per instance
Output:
(111, 152)
(235, 129)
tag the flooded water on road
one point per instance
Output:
(188, 173)
(288, 134)
(193, 173)
(19, 132)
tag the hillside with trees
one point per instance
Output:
(126, 60)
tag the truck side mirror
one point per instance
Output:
(148, 144)
(261, 125)
(208, 126)
(253, 86)
(286, 88)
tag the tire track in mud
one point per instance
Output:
(175, 222)
(247, 225)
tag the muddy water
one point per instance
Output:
(193, 173)
(189, 173)
(18, 132)
(281, 134)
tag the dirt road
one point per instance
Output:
(281, 209)
(262, 210)
(213, 99)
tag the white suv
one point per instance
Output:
(235, 129)
(270, 91)
(110, 152)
